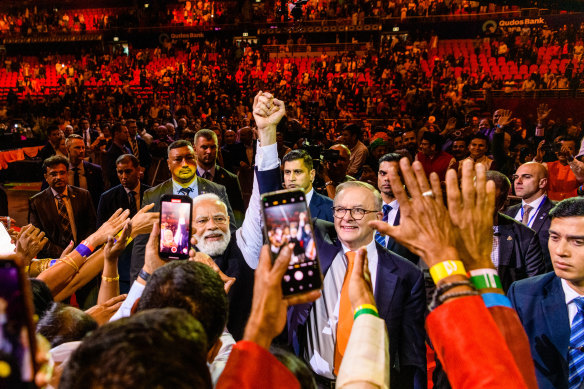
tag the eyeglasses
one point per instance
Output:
(219, 220)
(356, 213)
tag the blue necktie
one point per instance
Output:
(378, 237)
(185, 191)
(576, 353)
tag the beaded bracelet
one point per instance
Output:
(445, 297)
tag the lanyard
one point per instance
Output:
(533, 214)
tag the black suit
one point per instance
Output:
(153, 195)
(109, 163)
(43, 214)
(231, 183)
(520, 255)
(47, 151)
(232, 263)
(235, 153)
(94, 178)
(541, 225)
(144, 154)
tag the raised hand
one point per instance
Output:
(112, 251)
(267, 113)
(268, 312)
(102, 313)
(425, 228)
(471, 212)
(110, 227)
(360, 287)
(29, 242)
(504, 118)
(543, 111)
(143, 220)
(152, 260)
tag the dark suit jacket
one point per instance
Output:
(520, 255)
(231, 184)
(397, 248)
(47, 151)
(541, 225)
(3, 203)
(234, 154)
(115, 198)
(109, 164)
(145, 157)
(400, 299)
(321, 207)
(43, 214)
(541, 306)
(94, 177)
(153, 195)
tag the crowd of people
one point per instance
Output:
(387, 255)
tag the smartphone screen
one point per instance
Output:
(175, 227)
(16, 335)
(287, 222)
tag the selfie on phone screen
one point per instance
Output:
(174, 228)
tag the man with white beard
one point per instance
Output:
(236, 253)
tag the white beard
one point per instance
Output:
(216, 247)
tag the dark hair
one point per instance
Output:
(159, 348)
(502, 183)
(207, 134)
(571, 207)
(433, 138)
(125, 158)
(192, 286)
(54, 161)
(63, 323)
(41, 296)
(117, 127)
(480, 136)
(177, 144)
(390, 157)
(296, 366)
(353, 129)
(299, 154)
(52, 129)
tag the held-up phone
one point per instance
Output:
(175, 227)
(287, 222)
(17, 335)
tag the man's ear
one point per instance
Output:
(543, 183)
(312, 175)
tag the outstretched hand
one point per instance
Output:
(471, 212)
(425, 228)
(268, 312)
(29, 242)
(360, 287)
(267, 113)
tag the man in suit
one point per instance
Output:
(390, 208)
(398, 288)
(88, 134)
(65, 213)
(206, 146)
(138, 147)
(83, 174)
(530, 181)
(184, 181)
(299, 174)
(516, 251)
(54, 136)
(549, 306)
(127, 195)
(119, 147)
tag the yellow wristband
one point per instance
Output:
(366, 306)
(447, 268)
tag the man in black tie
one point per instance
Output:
(120, 137)
(127, 195)
(206, 146)
(83, 174)
(65, 213)
(391, 213)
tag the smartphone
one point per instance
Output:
(17, 335)
(287, 222)
(175, 227)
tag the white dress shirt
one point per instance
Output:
(309, 197)
(535, 204)
(570, 294)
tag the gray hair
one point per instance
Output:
(378, 201)
(208, 196)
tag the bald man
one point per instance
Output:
(530, 182)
